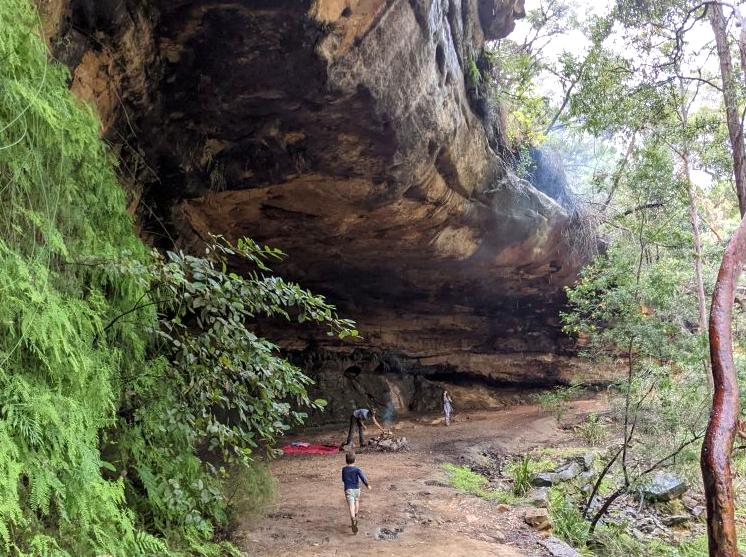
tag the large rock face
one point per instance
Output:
(346, 133)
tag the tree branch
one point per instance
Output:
(644, 206)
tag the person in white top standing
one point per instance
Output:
(447, 406)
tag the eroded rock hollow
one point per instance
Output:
(349, 134)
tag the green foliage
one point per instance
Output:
(522, 474)
(556, 401)
(653, 97)
(465, 479)
(133, 391)
(592, 430)
(473, 74)
(612, 539)
(609, 97)
(514, 88)
(618, 313)
(568, 521)
(59, 201)
(523, 162)
(224, 391)
(518, 67)
(522, 471)
(250, 489)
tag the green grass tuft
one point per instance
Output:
(466, 480)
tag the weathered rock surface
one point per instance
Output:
(568, 471)
(664, 486)
(538, 518)
(345, 133)
(585, 461)
(539, 497)
(558, 548)
(544, 479)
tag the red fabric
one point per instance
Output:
(310, 449)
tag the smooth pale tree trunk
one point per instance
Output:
(721, 428)
(697, 244)
(730, 99)
(694, 221)
(742, 41)
(691, 190)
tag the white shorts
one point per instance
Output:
(352, 495)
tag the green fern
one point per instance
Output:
(59, 203)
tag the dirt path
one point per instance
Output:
(410, 511)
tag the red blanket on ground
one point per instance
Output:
(309, 448)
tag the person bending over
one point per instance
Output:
(351, 478)
(360, 416)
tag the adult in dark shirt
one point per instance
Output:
(351, 478)
(360, 416)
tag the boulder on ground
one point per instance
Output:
(676, 519)
(585, 460)
(558, 548)
(664, 486)
(698, 511)
(544, 479)
(568, 471)
(538, 518)
(539, 496)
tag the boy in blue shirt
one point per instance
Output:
(351, 477)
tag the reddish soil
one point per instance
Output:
(410, 510)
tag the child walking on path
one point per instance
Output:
(351, 477)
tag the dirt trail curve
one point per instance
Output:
(410, 511)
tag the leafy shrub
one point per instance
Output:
(568, 521)
(522, 473)
(250, 489)
(473, 75)
(222, 391)
(592, 430)
(555, 401)
(465, 479)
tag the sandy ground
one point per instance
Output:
(410, 510)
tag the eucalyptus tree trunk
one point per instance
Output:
(721, 428)
(691, 190)
(730, 99)
(697, 245)
(697, 241)
(742, 41)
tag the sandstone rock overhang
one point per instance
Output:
(344, 133)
